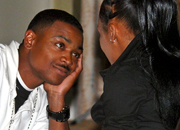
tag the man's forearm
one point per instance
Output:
(56, 104)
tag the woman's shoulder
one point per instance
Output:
(130, 71)
(129, 78)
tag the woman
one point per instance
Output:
(142, 86)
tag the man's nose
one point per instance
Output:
(67, 58)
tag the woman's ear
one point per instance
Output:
(29, 39)
(112, 31)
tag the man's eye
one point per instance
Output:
(77, 55)
(60, 45)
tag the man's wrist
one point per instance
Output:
(60, 116)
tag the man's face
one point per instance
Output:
(55, 52)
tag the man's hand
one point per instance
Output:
(56, 95)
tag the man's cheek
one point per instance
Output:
(74, 67)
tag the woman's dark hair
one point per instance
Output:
(156, 20)
(47, 17)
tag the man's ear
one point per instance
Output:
(29, 39)
(112, 32)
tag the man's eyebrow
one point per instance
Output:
(69, 41)
(66, 39)
(80, 48)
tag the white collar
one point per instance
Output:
(22, 83)
(12, 62)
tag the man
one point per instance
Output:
(36, 75)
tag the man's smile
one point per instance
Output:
(62, 69)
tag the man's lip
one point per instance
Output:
(61, 70)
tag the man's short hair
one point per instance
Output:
(47, 17)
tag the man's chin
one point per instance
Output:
(57, 81)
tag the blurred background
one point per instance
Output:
(14, 19)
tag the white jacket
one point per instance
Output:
(9, 59)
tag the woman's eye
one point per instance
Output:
(77, 55)
(60, 45)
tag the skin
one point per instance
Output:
(120, 35)
(52, 56)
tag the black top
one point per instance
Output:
(22, 95)
(128, 100)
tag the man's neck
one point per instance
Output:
(27, 75)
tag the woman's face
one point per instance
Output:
(113, 49)
(104, 40)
